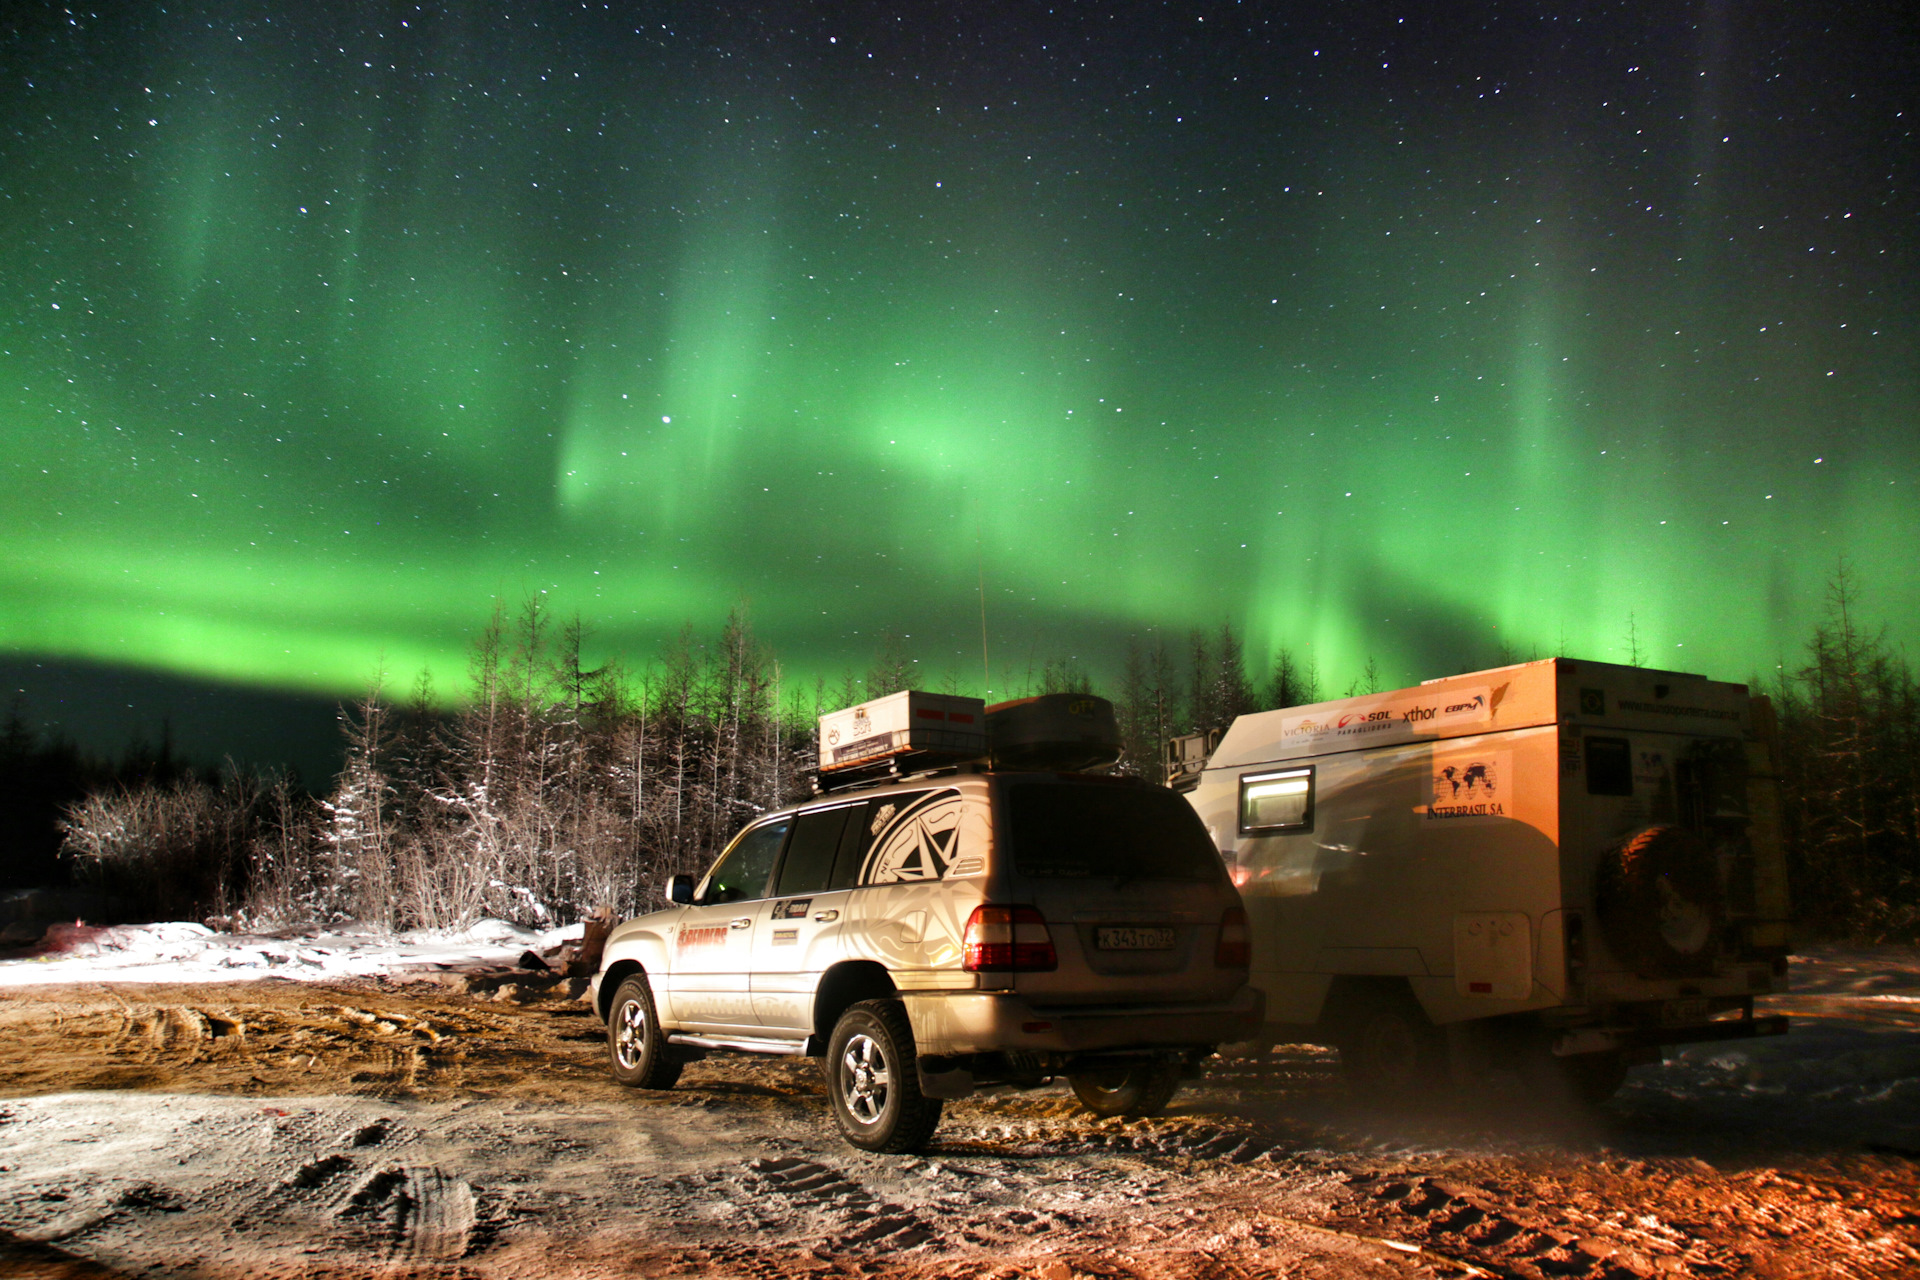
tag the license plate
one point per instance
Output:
(1683, 1013)
(1133, 938)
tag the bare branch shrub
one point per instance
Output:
(180, 850)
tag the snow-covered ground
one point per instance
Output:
(1849, 1067)
(192, 953)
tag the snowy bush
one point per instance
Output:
(179, 850)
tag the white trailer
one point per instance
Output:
(1558, 866)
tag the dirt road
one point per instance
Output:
(361, 1128)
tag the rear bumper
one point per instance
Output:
(988, 1022)
(1601, 1039)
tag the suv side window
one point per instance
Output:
(853, 843)
(808, 866)
(744, 869)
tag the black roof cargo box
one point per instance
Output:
(1069, 732)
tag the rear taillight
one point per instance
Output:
(1235, 948)
(1008, 940)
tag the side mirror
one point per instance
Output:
(680, 889)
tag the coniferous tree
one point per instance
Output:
(1850, 781)
(1233, 697)
(361, 818)
(1203, 707)
(892, 669)
(1368, 681)
(1291, 681)
(1064, 675)
(1148, 708)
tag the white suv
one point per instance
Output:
(946, 931)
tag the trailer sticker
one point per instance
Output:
(1471, 786)
(1671, 709)
(1398, 720)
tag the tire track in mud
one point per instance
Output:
(410, 1214)
(1503, 1225)
(853, 1217)
(384, 1050)
(1553, 1229)
(1041, 1126)
(1473, 1223)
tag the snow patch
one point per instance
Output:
(183, 952)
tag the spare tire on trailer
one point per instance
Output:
(1661, 905)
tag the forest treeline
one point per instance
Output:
(557, 789)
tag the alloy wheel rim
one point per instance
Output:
(630, 1045)
(865, 1079)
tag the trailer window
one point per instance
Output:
(1609, 767)
(1276, 802)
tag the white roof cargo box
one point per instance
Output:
(909, 723)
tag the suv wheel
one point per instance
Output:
(1141, 1090)
(873, 1082)
(635, 1044)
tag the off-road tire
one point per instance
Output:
(636, 1047)
(1660, 902)
(1143, 1089)
(1578, 1081)
(873, 1082)
(1390, 1052)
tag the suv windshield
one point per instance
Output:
(1124, 833)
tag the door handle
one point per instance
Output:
(824, 916)
(744, 922)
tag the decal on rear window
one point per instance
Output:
(917, 844)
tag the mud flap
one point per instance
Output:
(1470, 1052)
(957, 1083)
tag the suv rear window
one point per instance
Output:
(1124, 833)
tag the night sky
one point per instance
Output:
(1408, 332)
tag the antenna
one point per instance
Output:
(986, 668)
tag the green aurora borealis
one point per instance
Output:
(1392, 332)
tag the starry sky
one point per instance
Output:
(1419, 333)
